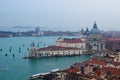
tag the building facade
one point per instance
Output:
(74, 42)
(95, 40)
(54, 51)
(113, 43)
(63, 47)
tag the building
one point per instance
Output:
(112, 73)
(117, 57)
(54, 51)
(113, 43)
(83, 71)
(74, 42)
(95, 40)
(63, 47)
(93, 69)
(38, 32)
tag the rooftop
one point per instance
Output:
(114, 39)
(52, 48)
(98, 62)
(112, 71)
(116, 63)
(73, 40)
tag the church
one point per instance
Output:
(94, 39)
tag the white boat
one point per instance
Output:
(4, 69)
(55, 70)
(39, 75)
(49, 64)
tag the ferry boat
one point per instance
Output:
(39, 75)
(42, 75)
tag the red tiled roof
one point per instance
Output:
(114, 39)
(74, 71)
(98, 62)
(113, 71)
(116, 63)
(52, 48)
(71, 70)
(99, 73)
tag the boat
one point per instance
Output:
(39, 75)
(4, 69)
(42, 75)
(55, 70)
(49, 64)
(5, 35)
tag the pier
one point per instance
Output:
(45, 76)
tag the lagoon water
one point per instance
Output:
(22, 69)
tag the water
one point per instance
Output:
(21, 69)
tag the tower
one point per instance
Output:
(95, 25)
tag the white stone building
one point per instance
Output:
(54, 51)
(74, 42)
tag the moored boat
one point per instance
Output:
(4, 69)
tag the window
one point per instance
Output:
(94, 39)
(48, 53)
(41, 53)
(68, 52)
(82, 47)
(94, 44)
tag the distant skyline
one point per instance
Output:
(60, 15)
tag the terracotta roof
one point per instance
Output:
(53, 48)
(114, 39)
(99, 73)
(74, 71)
(113, 71)
(116, 63)
(98, 62)
(71, 70)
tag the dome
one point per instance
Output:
(86, 32)
(95, 30)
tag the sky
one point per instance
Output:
(60, 15)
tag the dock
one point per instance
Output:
(44, 76)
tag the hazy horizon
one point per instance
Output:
(60, 15)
